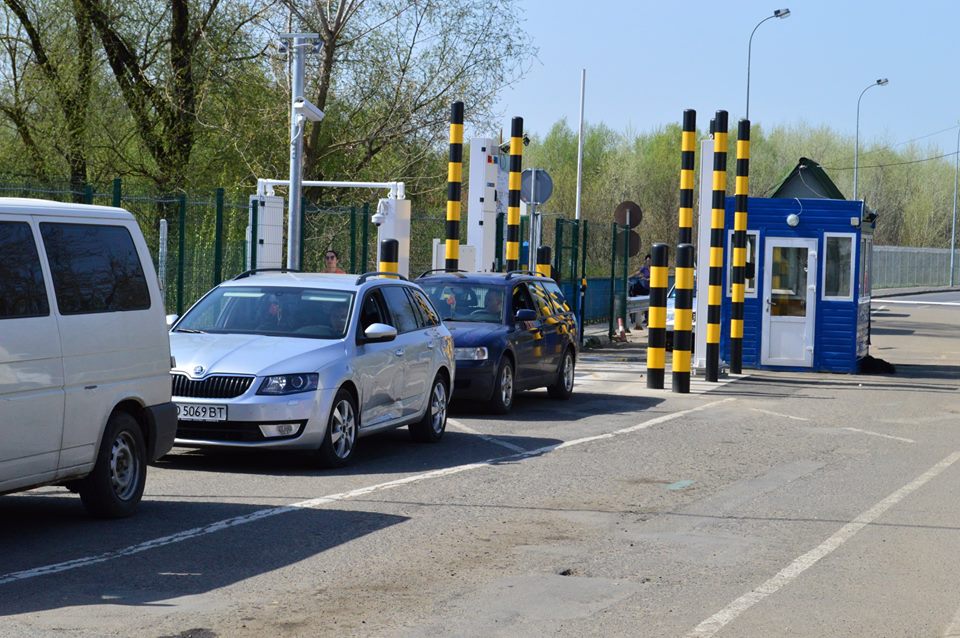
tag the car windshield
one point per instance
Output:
(275, 311)
(461, 301)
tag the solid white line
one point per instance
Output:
(785, 416)
(953, 629)
(326, 500)
(923, 303)
(728, 614)
(485, 437)
(886, 436)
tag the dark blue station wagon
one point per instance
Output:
(511, 332)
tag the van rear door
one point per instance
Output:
(31, 370)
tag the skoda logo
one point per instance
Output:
(198, 370)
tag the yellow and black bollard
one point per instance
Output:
(688, 144)
(657, 321)
(389, 256)
(683, 319)
(543, 261)
(454, 181)
(513, 194)
(738, 275)
(715, 283)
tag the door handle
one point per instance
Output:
(398, 352)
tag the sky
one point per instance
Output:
(647, 61)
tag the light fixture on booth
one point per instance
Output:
(793, 219)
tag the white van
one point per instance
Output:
(84, 354)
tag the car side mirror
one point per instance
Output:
(526, 314)
(172, 319)
(379, 333)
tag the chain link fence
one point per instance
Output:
(905, 267)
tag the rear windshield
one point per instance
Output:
(276, 311)
(456, 301)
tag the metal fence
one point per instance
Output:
(906, 267)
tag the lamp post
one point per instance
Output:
(953, 230)
(856, 147)
(779, 13)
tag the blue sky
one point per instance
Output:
(647, 61)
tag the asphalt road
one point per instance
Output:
(771, 504)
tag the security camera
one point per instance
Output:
(526, 140)
(306, 108)
(378, 218)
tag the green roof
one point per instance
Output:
(807, 180)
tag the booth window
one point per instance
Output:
(838, 266)
(750, 285)
(866, 264)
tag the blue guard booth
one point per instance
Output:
(807, 299)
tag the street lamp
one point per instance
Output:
(779, 13)
(953, 230)
(856, 148)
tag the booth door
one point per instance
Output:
(789, 302)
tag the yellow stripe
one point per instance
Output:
(389, 266)
(543, 269)
(453, 249)
(682, 319)
(740, 221)
(713, 295)
(688, 141)
(453, 211)
(716, 257)
(743, 184)
(657, 317)
(516, 146)
(737, 293)
(713, 333)
(454, 172)
(681, 360)
(513, 250)
(686, 218)
(719, 180)
(513, 216)
(658, 277)
(456, 133)
(656, 358)
(736, 328)
(686, 179)
(739, 256)
(513, 183)
(716, 217)
(743, 149)
(719, 142)
(685, 278)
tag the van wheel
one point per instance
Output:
(114, 488)
(503, 388)
(340, 439)
(431, 427)
(562, 388)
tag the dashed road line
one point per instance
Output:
(785, 416)
(486, 437)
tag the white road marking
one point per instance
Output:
(485, 437)
(728, 614)
(259, 515)
(886, 436)
(923, 303)
(953, 629)
(785, 416)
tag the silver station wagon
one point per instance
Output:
(310, 362)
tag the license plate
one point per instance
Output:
(201, 412)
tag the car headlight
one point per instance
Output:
(289, 384)
(470, 354)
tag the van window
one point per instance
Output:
(95, 268)
(22, 291)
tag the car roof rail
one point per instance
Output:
(247, 273)
(520, 272)
(441, 270)
(379, 273)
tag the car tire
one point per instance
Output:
(504, 387)
(115, 486)
(343, 429)
(562, 388)
(431, 427)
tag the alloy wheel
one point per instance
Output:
(343, 429)
(438, 406)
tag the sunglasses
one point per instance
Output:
(329, 256)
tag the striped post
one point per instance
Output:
(543, 261)
(739, 273)
(389, 256)
(683, 319)
(717, 212)
(454, 178)
(513, 194)
(688, 144)
(657, 322)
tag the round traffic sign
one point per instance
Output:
(544, 185)
(628, 214)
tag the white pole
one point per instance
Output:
(162, 258)
(953, 231)
(583, 84)
(297, 125)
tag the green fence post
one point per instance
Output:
(87, 193)
(582, 293)
(254, 218)
(574, 270)
(117, 191)
(353, 239)
(218, 240)
(364, 228)
(498, 249)
(524, 265)
(181, 249)
(613, 277)
(303, 219)
(558, 245)
(626, 276)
